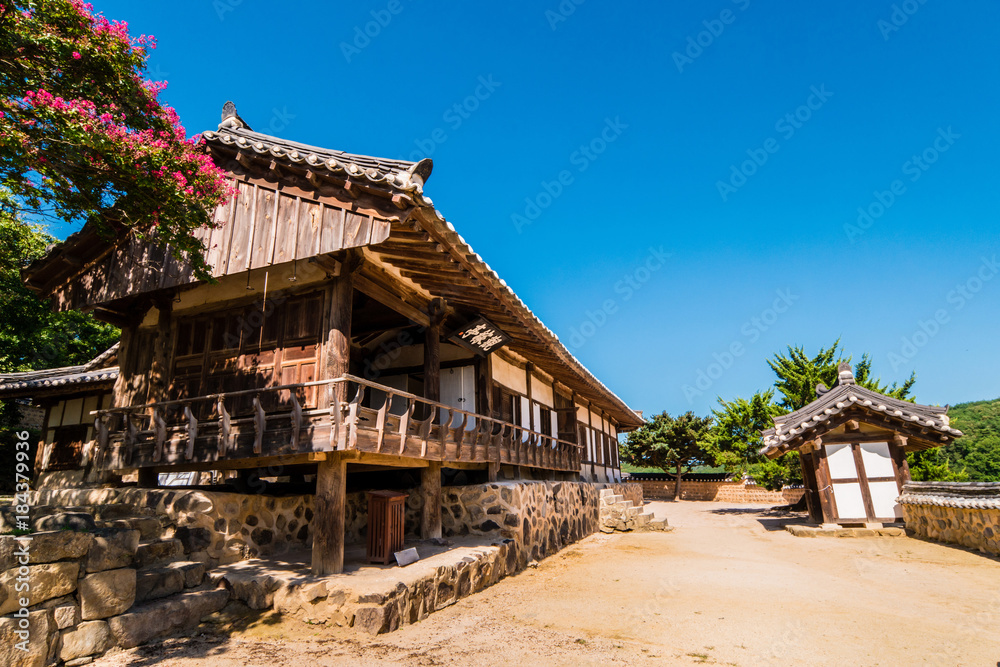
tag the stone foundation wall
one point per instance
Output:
(723, 492)
(540, 517)
(85, 583)
(237, 526)
(960, 513)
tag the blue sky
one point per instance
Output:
(591, 140)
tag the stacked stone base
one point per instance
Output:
(97, 577)
(960, 513)
(376, 603)
(619, 514)
(840, 531)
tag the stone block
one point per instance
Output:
(149, 527)
(111, 550)
(65, 616)
(79, 521)
(193, 572)
(56, 545)
(158, 582)
(107, 593)
(164, 617)
(87, 639)
(160, 551)
(193, 538)
(47, 581)
(37, 643)
(376, 620)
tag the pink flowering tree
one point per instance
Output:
(84, 137)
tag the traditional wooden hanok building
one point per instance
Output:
(350, 328)
(852, 443)
(67, 397)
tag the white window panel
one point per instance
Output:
(74, 412)
(841, 461)
(878, 463)
(89, 406)
(850, 503)
(884, 496)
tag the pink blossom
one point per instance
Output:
(76, 55)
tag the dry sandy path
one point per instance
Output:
(728, 587)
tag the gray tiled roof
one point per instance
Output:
(846, 395)
(970, 495)
(94, 371)
(401, 174)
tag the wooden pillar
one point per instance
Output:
(531, 404)
(823, 482)
(122, 396)
(432, 351)
(484, 402)
(159, 370)
(430, 492)
(484, 385)
(591, 436)
(328, 521)
(897, 451)
(331, 474)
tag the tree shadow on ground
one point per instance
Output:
(773, 519)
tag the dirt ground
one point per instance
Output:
(728, 587)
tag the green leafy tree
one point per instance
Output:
(31, 335)
(798, 374)
(735, 441)
(933, 465)
(669, 443)
(84, 136)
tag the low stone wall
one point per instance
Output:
(86, 580)
(540, 517)
(723, 492)
(965, 513)
(236, 525)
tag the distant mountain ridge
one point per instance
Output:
(978, 451)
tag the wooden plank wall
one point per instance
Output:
(258, 227)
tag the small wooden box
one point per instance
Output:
(386, 510)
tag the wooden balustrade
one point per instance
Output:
(402, 424)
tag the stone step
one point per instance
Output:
(114, 511)
(161, 618)
(612, 499)
(149, 527)
(658, 525)
(642, 519)
(155, 552)
(193, 571)
(157, 582)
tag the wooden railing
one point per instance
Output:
(171, 434)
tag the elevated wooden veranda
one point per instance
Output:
(173, 436)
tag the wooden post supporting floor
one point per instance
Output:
(430, 492)
(331, 474)
(432, 351)
(331, 497)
